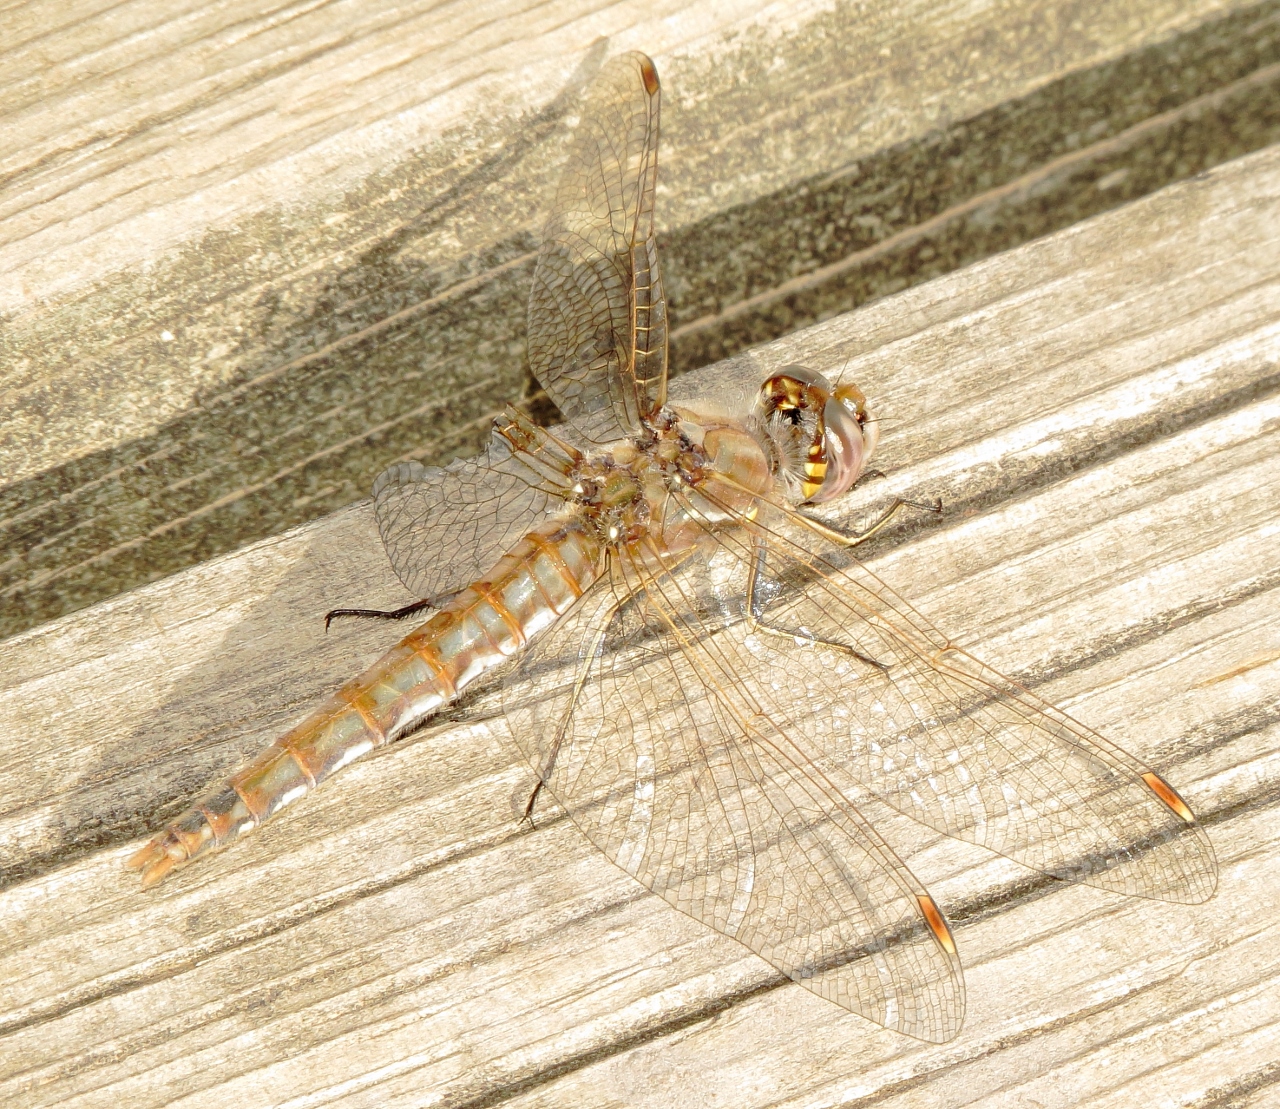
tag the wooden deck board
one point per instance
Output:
(251, 252)
(1100, 412)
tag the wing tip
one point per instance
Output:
(937, 923)
(942, 1033)
(398, 475)
(1170, 797)
(648, 74)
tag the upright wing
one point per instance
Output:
(444, 527)
(881, 698)
(597, 315)
(636, 722)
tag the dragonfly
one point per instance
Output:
(699, 670)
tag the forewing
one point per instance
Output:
(445, 527)
(950, 742)
(597, 314)
(631, 712)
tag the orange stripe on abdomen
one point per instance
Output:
(528, 589)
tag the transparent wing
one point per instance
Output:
(597, 314)
(881, 698)
(445, 527)
(637, 723)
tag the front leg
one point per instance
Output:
(852, 539)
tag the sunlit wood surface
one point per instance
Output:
(1100, 413)
(202, 169)
(253, 250)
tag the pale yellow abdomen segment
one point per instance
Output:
(527, 590)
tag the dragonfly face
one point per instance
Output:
(822, 435)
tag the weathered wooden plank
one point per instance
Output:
(1100, 412)
(250, 253)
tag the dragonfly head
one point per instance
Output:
(822, 434)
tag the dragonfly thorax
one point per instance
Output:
(643, 488)
(610, 493)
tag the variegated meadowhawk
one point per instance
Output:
(703, 662)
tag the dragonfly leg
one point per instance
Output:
(393, 614)
(755, 613)
(549, 763)
(852, 539)
(533, 800)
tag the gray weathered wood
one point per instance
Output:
(1100, 412)
(253, 251)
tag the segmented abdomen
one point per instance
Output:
(486, 623)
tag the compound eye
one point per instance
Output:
(844, 451)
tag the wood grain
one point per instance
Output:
(1100, 412)
(253, 251)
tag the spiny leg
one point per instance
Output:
(852, 539)
(755, 612)
(393, 614)
(835, 535)
(549, 763)
(533, 799)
